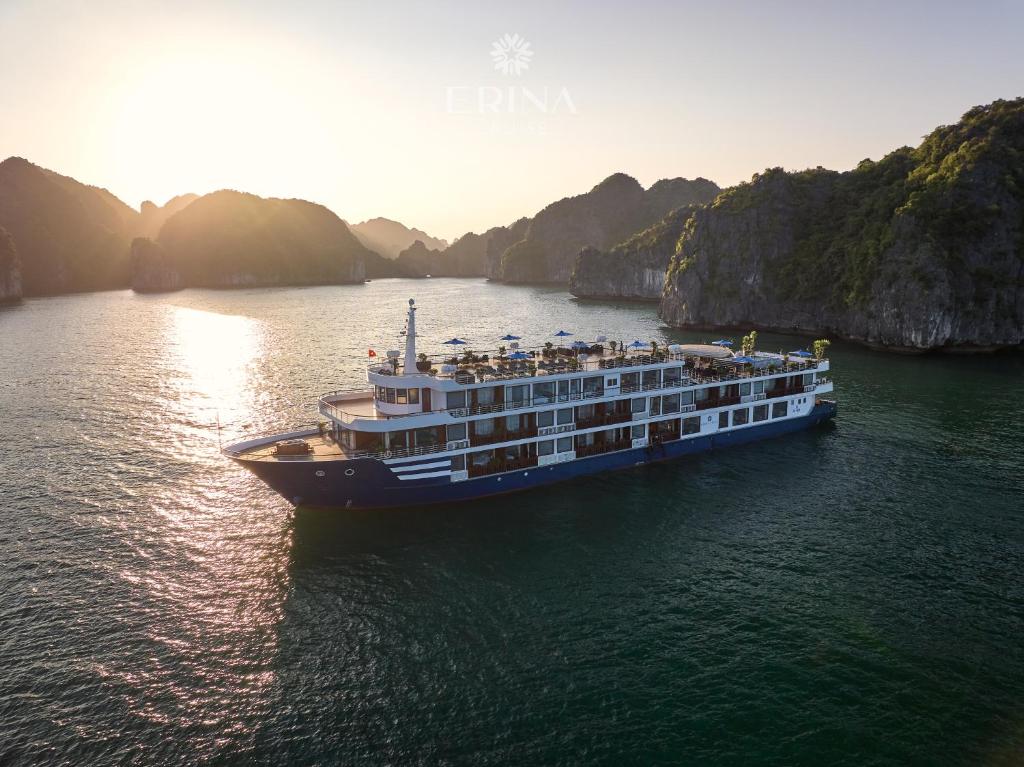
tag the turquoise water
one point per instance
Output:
(850, 595)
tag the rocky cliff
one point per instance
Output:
(69, 236)
(389, 238)
(608, 214)
(233, 239)
(634, 269)
(923, 249)
(10, 270)
(153, 216)
(152, 270)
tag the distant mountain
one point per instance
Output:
(69, 236)
(389, 238)
(922, 249)
(233, 239)
(634, 269)
(153, 216)
(608, 214)
(10, 269)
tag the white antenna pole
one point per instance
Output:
(410, 340)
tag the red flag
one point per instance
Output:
(373, 353)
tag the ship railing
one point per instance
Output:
(583, 451)
(501, 436)
(398, 452)
(498, 467)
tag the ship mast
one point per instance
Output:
(410, 340)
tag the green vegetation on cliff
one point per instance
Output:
(922, 248)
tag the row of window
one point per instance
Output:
(398, 396)
(744, 415)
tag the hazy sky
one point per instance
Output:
(386, 108)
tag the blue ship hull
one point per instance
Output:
(369, 483)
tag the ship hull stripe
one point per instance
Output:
(370, 483)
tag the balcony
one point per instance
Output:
(598, 448)
(607, 419)
(499, 467)
(708, 404)
(501, 436)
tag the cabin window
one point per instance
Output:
(546, 447)
(483, 428)
(390, 399)
(517, 394)
(459, 462)
(723, 419)
(630, 382)
(691, 425)
(758, 387)
(564, 444)
(808, 379)
(481, 458)
(686, 398)
(543, 392)
(700, 395)
(780, 409)
(512, 423)
(584, 440)
(593, 386)
(427, 437)
(584, 411)
(455, 399)
(414, 396)
(613, 382)
(760, 413)
(744, 389)
(546, 418)
(651, 379)
(401, 396)
(381, 393)
(456, 432)
(485, 396)
(638, 432)
(397, 439)
(655, 408)
(565, 415)
(740, 417)
(638, 405)
(670, 404)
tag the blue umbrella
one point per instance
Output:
(638, 344)
(801, 353)
(562, 334)
(454, 342)
(744, 360)
(722, 342)
(509, 337)
(519, 356)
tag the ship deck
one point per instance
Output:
(323, 448)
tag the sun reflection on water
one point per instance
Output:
(217, 366)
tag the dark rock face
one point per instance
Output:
(230, 239)
(635, 269)
(10, 270)
(389, 238)
(152, 270)
(921, 250)
(70, 236)
(500, 239)
(610, 213)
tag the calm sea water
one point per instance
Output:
(850, 596)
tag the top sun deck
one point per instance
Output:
(497, 365)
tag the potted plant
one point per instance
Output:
(820, 347)
(422, 363)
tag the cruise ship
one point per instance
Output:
(461, 426)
